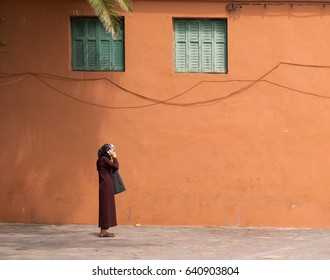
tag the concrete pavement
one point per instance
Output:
(80, 242)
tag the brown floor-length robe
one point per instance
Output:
(107, 207)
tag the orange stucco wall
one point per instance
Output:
(257, 158)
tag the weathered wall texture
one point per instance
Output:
(257, 158)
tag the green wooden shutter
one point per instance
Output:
(104, 48)
(200, 46)
(104, 55)
(117, 50)
(207, 42)
(91, 43)
(93, 48)
(180, 34)
(194, 46)
(220, 48)
(78, 44)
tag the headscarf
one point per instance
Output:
(103, 151)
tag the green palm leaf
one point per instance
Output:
(108, 13)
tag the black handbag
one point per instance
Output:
(119, 185)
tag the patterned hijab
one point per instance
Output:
(103, 151)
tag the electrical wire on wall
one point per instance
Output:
(42, 77)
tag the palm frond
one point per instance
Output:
(108, 13)
(126, 5)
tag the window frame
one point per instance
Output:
(104, 43)
(185, 55)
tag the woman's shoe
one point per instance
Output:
(104, 233)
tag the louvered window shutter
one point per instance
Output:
(94, 49)
(180, 34)
(117, 51)
(194, 46)
(220, 46)
(200, 46)
(91, 43)
(207, 47)
(78, 44)
(105, 49)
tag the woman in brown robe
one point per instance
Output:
(107, 164)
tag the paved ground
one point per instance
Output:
(80, 242)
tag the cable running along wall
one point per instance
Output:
(42, 77)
